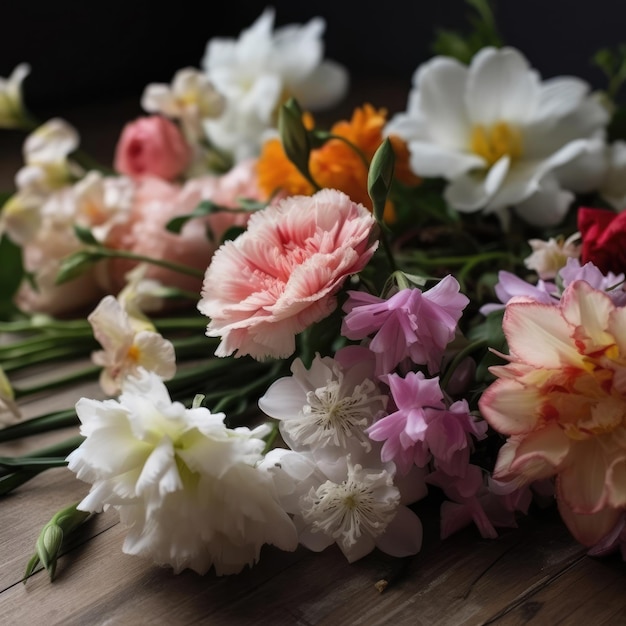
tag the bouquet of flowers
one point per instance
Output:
(301, 330)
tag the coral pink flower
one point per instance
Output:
(156, 203)
(152, 146)
(410, 323)
(282, 274)
(561, 401)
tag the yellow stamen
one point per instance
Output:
(133, 353)
(493, 142)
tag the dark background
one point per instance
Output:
(82, 52)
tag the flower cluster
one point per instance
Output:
(302, 332)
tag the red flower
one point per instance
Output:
(603, 235)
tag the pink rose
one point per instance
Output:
(282, 274)
(152, 146)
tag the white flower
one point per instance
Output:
(191, 98)
(325, 406)
(548, 257)
(356, 506)
(259, 70)
(498, 134)
(130, 344)
(11, 106)
(613, 187)
(46, 152)
(185, 485)
(101, 202)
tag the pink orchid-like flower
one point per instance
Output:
(152, 146)
(283, 273)
(560, 400)
(411, 323)
(423, 427)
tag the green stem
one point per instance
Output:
(42, 424)
(474, 259)
(271, 438)
(88, 373)
(387, 247)
(45, 356)
(32, 467)
(170, 265)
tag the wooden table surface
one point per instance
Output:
(536, 574)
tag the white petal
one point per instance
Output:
(501, 86)
(547, 206)
(324, 87)
(284, 399)
(431, 161)
(442, 88)
(403, 535)
(559, 97)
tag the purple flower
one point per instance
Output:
(510, 286)
(609, 283)
(423, 428)
(411, 323)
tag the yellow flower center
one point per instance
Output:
(493, 142)
(134, 353)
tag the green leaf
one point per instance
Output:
(232, 233)
(380, 177)
(11, 276)
(84, 235)
(75, 264)
(206, 207)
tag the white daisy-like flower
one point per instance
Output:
(356, 506)
(326, 406)
(500, 135)
(129, 343)
(188, 488)
(260, 70)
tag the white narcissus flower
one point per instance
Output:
(188, 488)
(130, 344)
(259, 70)
(501, 137)
(11, 106)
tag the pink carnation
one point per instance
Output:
(282, 274)
(152, 146)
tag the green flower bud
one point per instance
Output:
(51, 538)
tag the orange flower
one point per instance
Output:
(336, 164)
